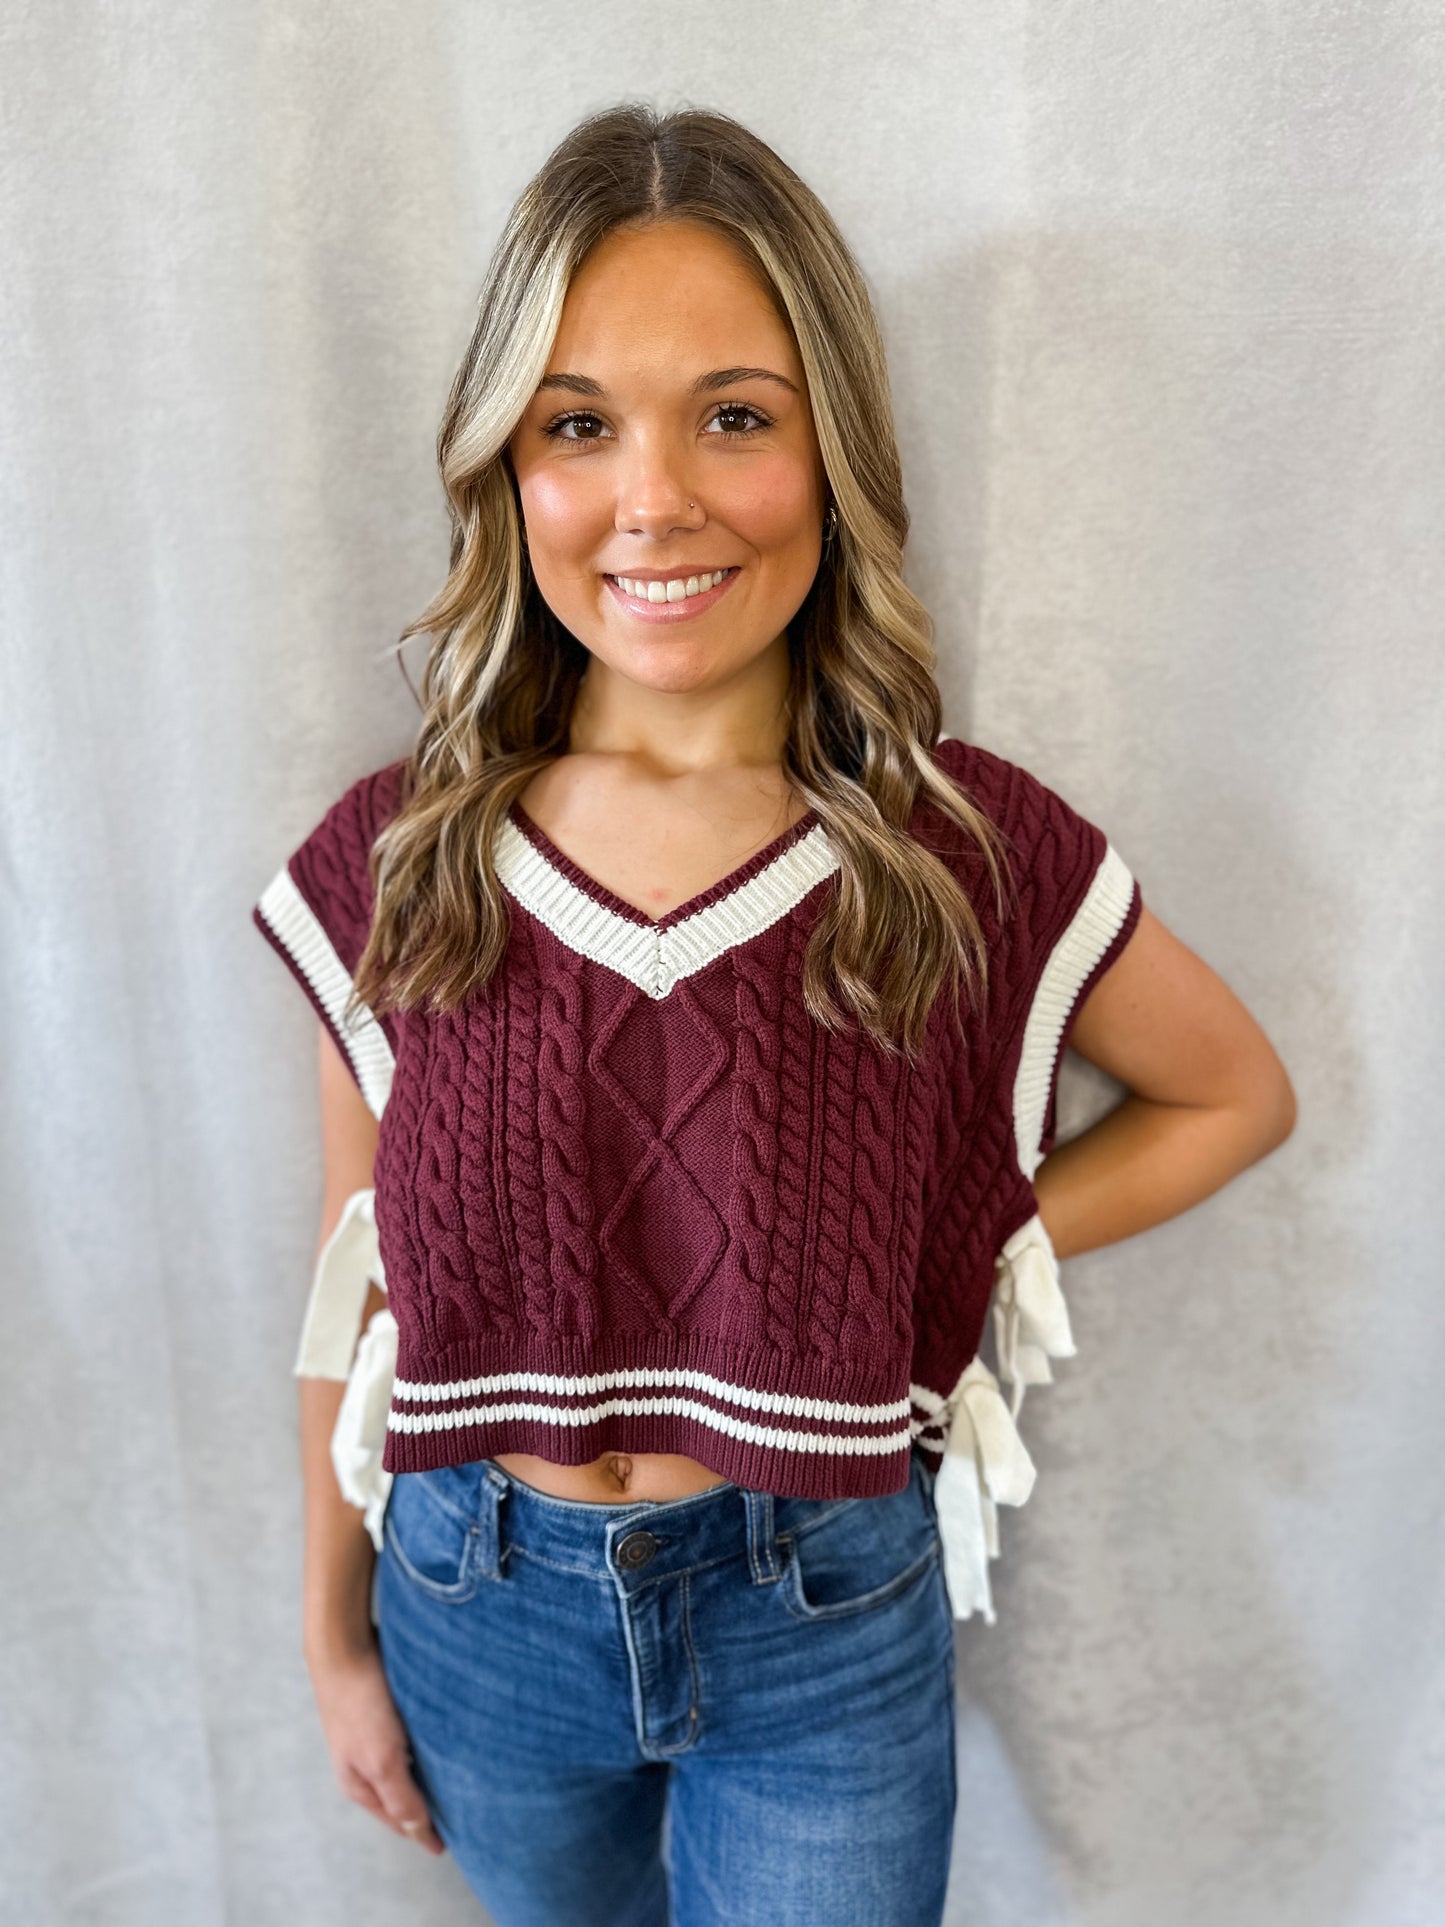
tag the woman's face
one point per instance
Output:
(671, 438)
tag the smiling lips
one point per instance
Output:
(674, 589)
(672, 597)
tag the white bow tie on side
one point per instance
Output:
(348, 1262)
(985, 1462)
(1030, 1318)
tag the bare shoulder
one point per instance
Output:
(1168, 1026)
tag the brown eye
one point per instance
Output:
(577, 418)
(735, 409)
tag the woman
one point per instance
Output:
(692, 1014)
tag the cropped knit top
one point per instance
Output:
(630, 1196)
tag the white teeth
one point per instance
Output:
(676, 590)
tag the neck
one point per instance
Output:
(722, 721)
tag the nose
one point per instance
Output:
(654, 493)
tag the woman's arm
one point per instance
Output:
(339, 1555)
(1207, 1096)
(364, 1731)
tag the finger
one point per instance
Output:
(357, 1787)
(414, 1826)
(406, 1809)
(424, 1834)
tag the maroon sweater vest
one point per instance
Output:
(631, 1197)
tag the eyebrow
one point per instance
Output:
(704, 385)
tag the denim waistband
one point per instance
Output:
(632, 1541)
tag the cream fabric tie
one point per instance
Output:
(985, 1465)
(985, 1461)
(1031, 1320)
(359, 1436)
(347, 1264)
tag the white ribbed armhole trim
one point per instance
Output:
(1092, 929)
(299, 930)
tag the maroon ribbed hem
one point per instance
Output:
(575, 1407)
(461, 1405)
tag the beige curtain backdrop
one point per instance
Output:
(1164, 293)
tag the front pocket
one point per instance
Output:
(435, 1543)
(859, 1555)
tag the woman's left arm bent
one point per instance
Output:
(1207, 1096)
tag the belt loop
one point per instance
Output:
(761, 1556)
(494, 1489)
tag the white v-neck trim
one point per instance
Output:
(652, 956)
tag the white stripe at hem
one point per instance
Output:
(790, 1404)
(775, 1438)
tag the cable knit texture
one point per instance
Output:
(631, 1197)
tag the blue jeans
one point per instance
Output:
(732, 1707)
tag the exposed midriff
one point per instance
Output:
(614, 1476)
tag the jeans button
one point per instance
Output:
(635, 1550)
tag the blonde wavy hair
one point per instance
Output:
(501, 671)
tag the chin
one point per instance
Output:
(673, 678)
(667, 664)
